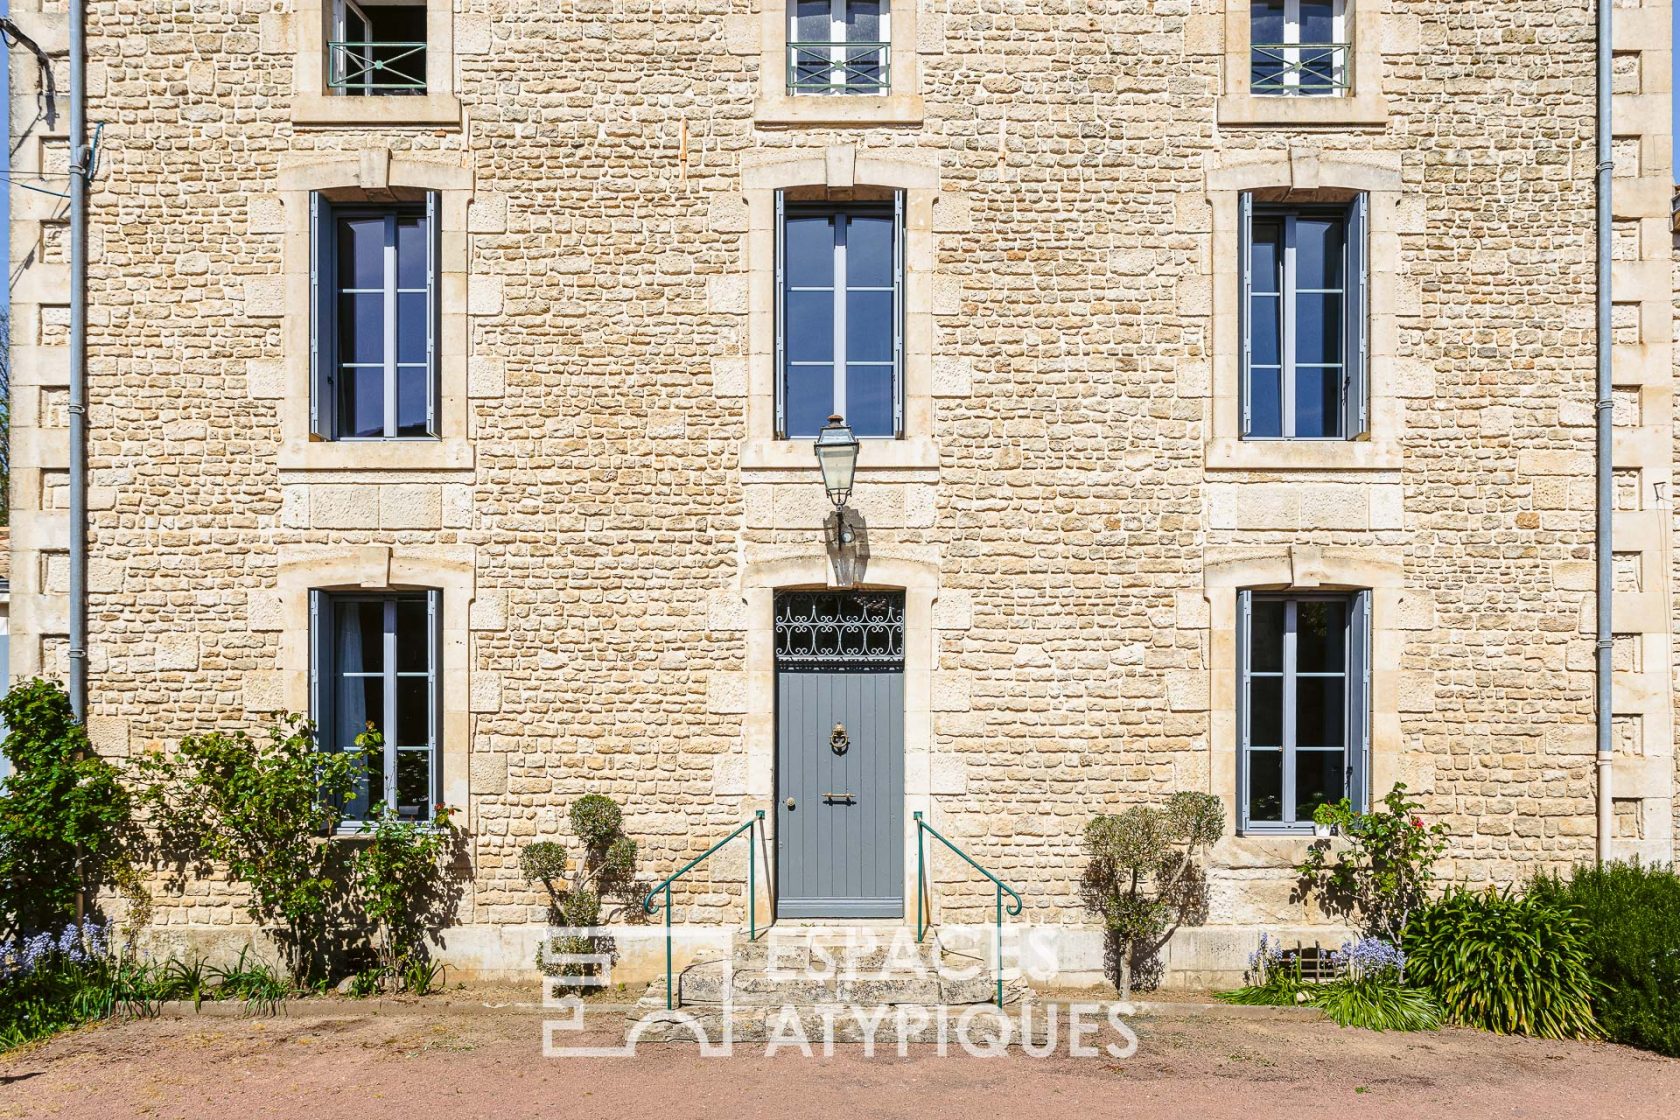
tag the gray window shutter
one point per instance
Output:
(1359, 701)
(434, 684)
(322, 352)
(433, 252)
(1245, 600)
(1356, 374)
(898, 313)
(781, 317)
(1245, 266)
(320, 668)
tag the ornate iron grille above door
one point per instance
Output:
(840, 630)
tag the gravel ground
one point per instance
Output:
(330, 1059)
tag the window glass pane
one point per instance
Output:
(361, 402)
(411, 400)
(1320, 635)
(1318, 69)
(1266, 257)
(1265, 21)
(361, 253)
(808, 243)
(809, 400)
(869, 252)
(1318, 328)
(811, 21)
(863, 20)
(1318, 402)
(413, 712)
(1265, 641)
(1318, 21)
(869, 327)
(1265, 785)
(414, 784)
(1265, 331)
(810, 327)
(1265, 402)
(411, 252)
(360, 702)
(1318, 252)
(869, 399)
(1320, 712)
(361, 328)
(359, 644)
(413, 639)
(411, 327)
(1265, 711)
(1320, 777)
(370, 786)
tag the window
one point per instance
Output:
(1298, 47)
(377, 48)
(839, 337)
(1304, 283)
(374, 666)
(838, 46)
(373, 344)
(1303, 665)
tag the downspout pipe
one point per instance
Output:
(1603, 543)
(78, 186)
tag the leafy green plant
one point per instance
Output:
(185, 979)
(264, 808)
(1507, 964)
(1381, 868)
(605, 872)
(1378, 1004)
(1631, 920)
(1274, 978)
(262, 986)
(1144, 876)
(65, 823)
(421, 975)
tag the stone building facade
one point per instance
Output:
(602, 511)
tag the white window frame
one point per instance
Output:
(324, 675)
(1292, 58)
(840, 290)
(326, 366)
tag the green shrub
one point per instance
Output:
(64, 815)
(604, 872)
(1378, 1003)
(400, 878)
(1631, 916)
(1274, 978)
(1505, 964)
(1381, 866)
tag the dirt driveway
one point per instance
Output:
(464, 1059)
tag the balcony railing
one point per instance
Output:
(1300, 69)
(376, 68)
(839, 68)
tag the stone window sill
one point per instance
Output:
(375, 455)
(1265, 850)
(1247, 110)
(429, 109)
(917, 453)
(839, 110)
(1303, 455)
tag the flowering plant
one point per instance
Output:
(1383, 866)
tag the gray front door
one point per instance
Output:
(840, 754)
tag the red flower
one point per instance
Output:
(1417, 823)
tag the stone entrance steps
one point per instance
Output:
(829, 982)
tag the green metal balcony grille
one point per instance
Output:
(1300, 69)
(856, 68)
(376, 67)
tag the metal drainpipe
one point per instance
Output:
(78, 186)
(1603, 543)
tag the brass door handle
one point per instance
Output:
(840, 798)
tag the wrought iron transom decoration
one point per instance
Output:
(826, 629)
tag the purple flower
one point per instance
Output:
(1370, 957)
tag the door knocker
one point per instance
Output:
(839, 740)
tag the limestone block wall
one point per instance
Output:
(1069, 509)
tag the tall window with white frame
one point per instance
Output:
(1299, 48)
(1304, 300)
(839, 338)
(374, 667)
(373, 338)
(377, 48)
(839, 46)
(1303, 718)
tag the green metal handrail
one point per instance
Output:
(1002, 888)
(863, 67)
(752, 894)
(351, 65)
(1321, 68)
